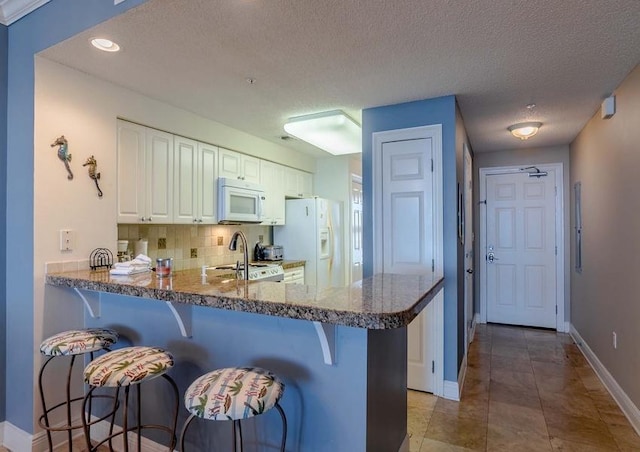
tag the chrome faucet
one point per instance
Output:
(233, 245)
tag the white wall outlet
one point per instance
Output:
(66, 240)
(615, 340)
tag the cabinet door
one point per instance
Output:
(272, 179)
(291, 181)
(185, 182)
(267, 180)
(229, 164)
(159, 180)
(131, 146)
(278, 203)
(207, 183)
(250, 169)
(305, 181)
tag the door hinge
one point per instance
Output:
(556, 250)
(433, 367)
(432, 165)
(556, 190)
(433, 265)
(556, 309)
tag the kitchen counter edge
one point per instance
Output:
(408, 307)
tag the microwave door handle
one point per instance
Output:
(260, 206)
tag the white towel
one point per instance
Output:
(126, 271)
(140, 261)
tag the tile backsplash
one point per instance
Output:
(193, 246)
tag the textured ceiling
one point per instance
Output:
(306, 56)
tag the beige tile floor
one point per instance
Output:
(525, 390)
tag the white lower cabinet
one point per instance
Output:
(194, 195)
(294, 275)
(272, 180)
(145, 174)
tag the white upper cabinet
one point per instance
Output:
(145, 174)
(298, 184)
(272, 180)
(238, 166)
(194, 182)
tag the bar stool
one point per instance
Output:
(233, 394)
(128, 367)
(70, 343)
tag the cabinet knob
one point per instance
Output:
(142, 219)
(149, 219)
(195, 220)
(200, 220)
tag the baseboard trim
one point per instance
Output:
(2, 433)
(16, 439)
(404, 447)
(451, 391)
(627, 406)
(567, 327)
(100, 431)
(59, 439)
(462, 375)
(474, 323)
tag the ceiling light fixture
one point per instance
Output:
(331, 131)
(105, 45)
(524, 130)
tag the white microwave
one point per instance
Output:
(239, 201)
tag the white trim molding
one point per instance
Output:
(627, 406)
(451, 391)
(12, 10)
(16, 439)
(2, 433)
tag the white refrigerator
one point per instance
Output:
(313, 233)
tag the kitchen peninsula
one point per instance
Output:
(356, 403)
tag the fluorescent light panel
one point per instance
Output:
(331, 131)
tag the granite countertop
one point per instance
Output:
(381, 301)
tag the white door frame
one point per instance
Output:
(414, 133)
(559, 232)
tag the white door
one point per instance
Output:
(159, 177)
(356, 228)
(468, 244)
(131, 172)
(521, 249)
(408, 245)
(207, 184)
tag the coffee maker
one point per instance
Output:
(123, 253)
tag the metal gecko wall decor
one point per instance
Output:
(92, 164)
(63, 153)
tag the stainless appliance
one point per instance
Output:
(313, 233)
(239, 201)
(272, 253)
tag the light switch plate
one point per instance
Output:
(66, 240)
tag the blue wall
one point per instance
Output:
(3, 207)
(440, 110)
(43, 28)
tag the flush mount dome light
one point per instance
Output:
(331, 131)
(105, 45)
(524, 130)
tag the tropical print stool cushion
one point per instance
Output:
(128, 366)
(233, 393)
(77, 342)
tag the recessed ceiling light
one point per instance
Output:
(104, 44)
(531, 106)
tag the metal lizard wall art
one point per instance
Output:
(92, 164)
(63, 153)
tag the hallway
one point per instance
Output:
(525, 390)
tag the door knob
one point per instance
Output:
(470, 271)
(491, 257)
